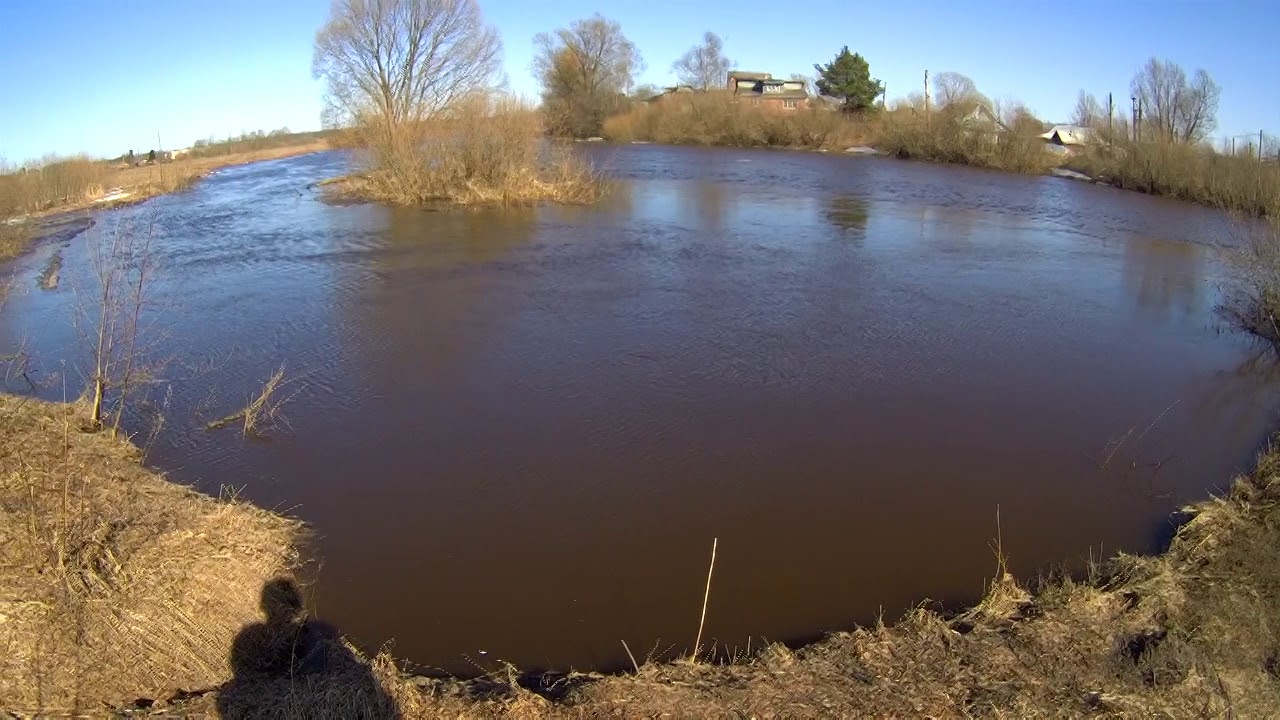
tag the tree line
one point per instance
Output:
(401, 61)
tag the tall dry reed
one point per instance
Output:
(484, 151)
(50, 182)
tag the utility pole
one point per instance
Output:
(926, 96)
(159, 145)
(1111, 111)
(1259, 146)
(1138, 127)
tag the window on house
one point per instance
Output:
(791, 104)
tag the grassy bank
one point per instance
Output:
(483, 151)
(119, 585)
(76, 183)
(1185, 172)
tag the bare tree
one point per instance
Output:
(704, 66)
(396, 62)
(111, 324)
(1088, 111)
(586, 70)
(1177, 110)
(950, 87)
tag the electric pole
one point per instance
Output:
(926, 96)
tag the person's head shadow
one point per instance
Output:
(293, 666)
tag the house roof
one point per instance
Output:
(745, 75)
(1068, 135)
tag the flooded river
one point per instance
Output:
(518, 432)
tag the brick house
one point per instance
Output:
(764, 89)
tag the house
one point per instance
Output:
(1068, 135)
(975, 115)
(764, 89)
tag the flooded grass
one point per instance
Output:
(1194, 627)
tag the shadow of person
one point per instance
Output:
(292, 666)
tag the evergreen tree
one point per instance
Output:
(848, 78)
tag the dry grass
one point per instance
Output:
(77, 183)
(1185, 172)
(715, 118)
(116, 584)
(484, 152)
(950, 137)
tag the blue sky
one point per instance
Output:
(105, 77)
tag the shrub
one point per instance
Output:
(718, 118)
(484, 150)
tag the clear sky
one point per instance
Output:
(105, 77)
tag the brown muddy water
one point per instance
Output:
(519, 431)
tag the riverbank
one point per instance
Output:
(120, 585)
(119, 187)
(961, 136)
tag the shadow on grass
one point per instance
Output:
(292, 666)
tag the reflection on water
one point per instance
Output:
(1173, 282)
(847, 212)
(522, 428)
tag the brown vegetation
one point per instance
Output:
(1185, 172)
(88, 538)
(482, 152)
(585, 71)
(414, 79)
(62, 185)
(717, 118)
(968, 133)
(114, 583)
(1252, 300)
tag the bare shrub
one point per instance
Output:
(110, 317)
(483, 150)
(717, 118)
(264, 410)
(967, 133)
(1184, 171)
(1252, 302)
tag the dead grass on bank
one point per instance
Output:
(715, 118)
(114, 583)
(76, 183)
(486, 151)
(948, 136)
(1185, 172)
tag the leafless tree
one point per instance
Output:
(950, 87)
(1088, 111)
(1177, 110)
(396, 62)
(704, 66)
(109, 316)
(586, 70)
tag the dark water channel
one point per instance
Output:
(520, 430)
